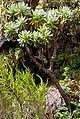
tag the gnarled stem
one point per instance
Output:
(53, 78)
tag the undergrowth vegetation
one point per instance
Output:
(19, 95)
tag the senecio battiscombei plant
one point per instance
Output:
(34, 27)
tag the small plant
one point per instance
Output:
(66, 73)
(11, 30)
(52, 18)
(38, 17)
(45, 33)
(66, 13)
(21, 22)
(23, 9)
(11, 10)
(63, 113)
(18, 10)
(35, 37)
(24, 37)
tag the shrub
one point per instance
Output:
(19, 95)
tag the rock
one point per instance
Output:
(53, 99)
